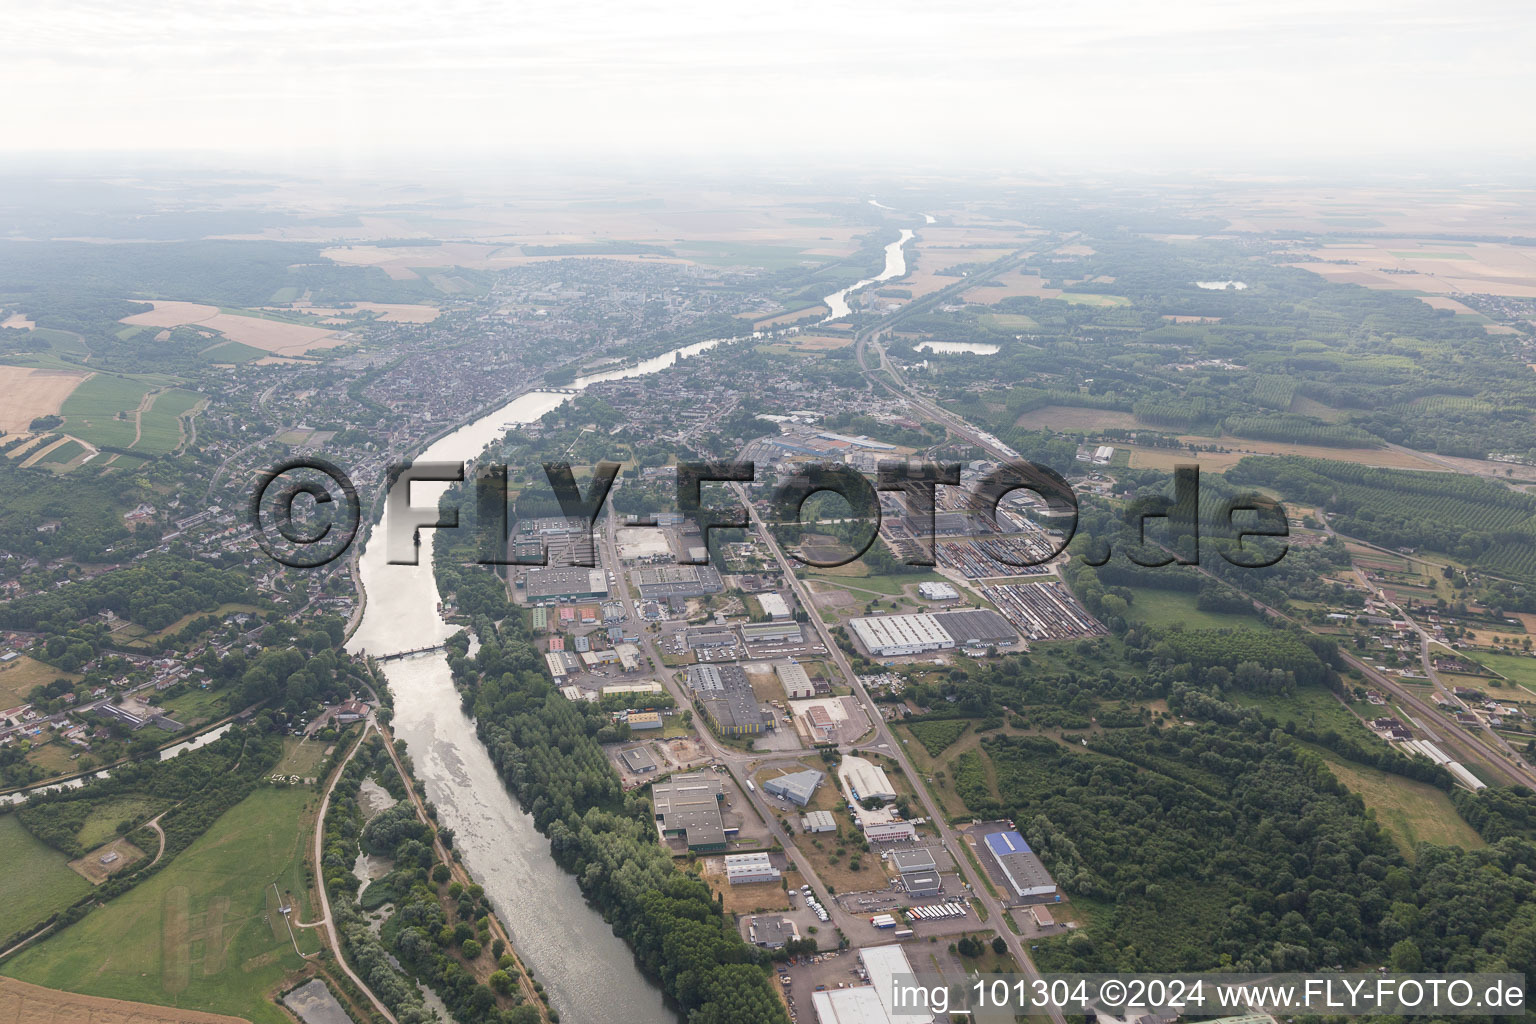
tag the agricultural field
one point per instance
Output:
(160, 426)
(278, 337)
(1009, 321)
(37, 881)
(202, 934)
(35, 1005)
(27, 393)
(1413, 812)
(1486, 268)
(1093, 299)
(102, 410)
(62, 455)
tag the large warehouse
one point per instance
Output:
(978, 627)
(797, 682)
(689, 806)
(547, 586)
(891, 636)
(1026, 876)
(874, 1003)
(727, 697)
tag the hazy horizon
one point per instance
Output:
(1191, 84)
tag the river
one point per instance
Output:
(589, 972)
(895, 266)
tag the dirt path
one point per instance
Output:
(154, 823)
(325, 900)
(138, 422)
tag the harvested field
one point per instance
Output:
(18, 321)
(27, 393)
(273, 336)
(21, 1003)
(1009, 285)
(1490, 268)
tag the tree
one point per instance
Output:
(999, 946)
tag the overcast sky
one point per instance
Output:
(1212, 82)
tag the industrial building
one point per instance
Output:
(727, 698)
(706, 637)
(978, 627)
(1026, 876)
(920, 859)
(797, 682)
(640, 720)
(890, 636)
(638, 760)
(922, 883)
(797, 788)
(774, 606)
(613, 688)
(661, 582)
(549, 585)
(938, 591)
(746, 868)
(772, 932)
(874, 1003)
(689, 806)
(862, 780)
(772, 632)
(818, 821)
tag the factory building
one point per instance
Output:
(922, 883)
(797, 683)
(874, 1003)
(772, 932)
(746, 868)
(1026, 876)
(689, 806)
(890, 636)
(938, 591)
(772, 632)
(682, 581)
(797, 788)
(551, 585)
(978, 627)
(863, 780)
(638, 760)
(727, 698)
(818, 821)
(774, 606)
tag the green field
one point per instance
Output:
(1009, 321)
(868, 586)
(100, 826)
(1511, 666)
(1170, 607)
(37, 881)
(1093, 299)
(202, 934)
(1413, 812)
(91, 411)
(233, 352)
(1313, 707)
(62, 454)
(160, 431)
